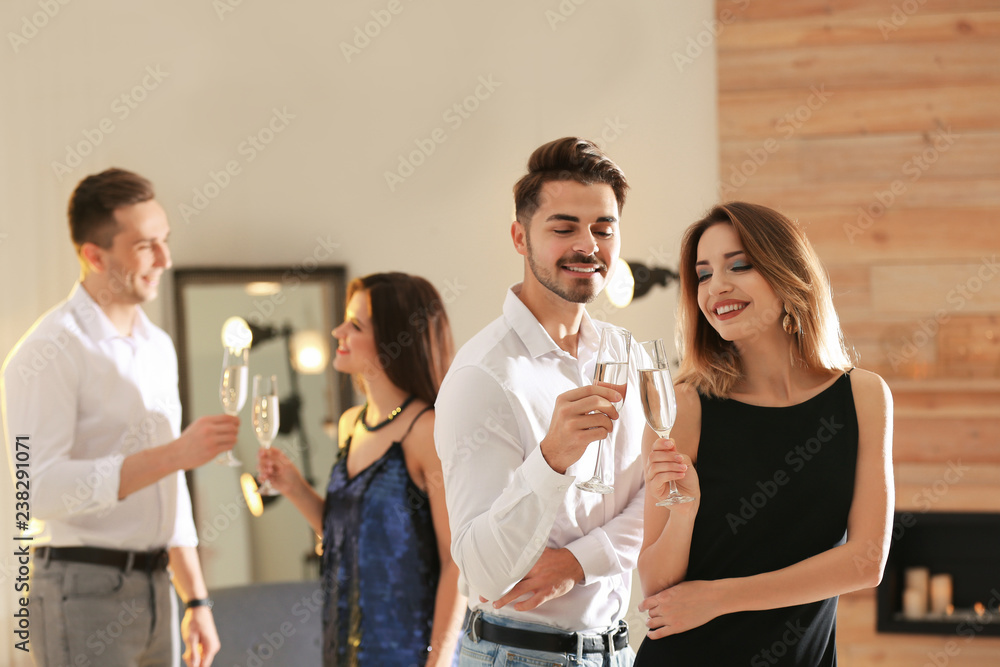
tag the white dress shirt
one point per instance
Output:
(86, 397)
(505, 504)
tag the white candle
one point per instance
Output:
(914, 603)
(917, 577)
(940, 593)
(918, 581)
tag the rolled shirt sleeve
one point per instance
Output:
(614, 548)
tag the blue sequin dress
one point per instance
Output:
(380, 565)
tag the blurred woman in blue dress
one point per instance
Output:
(391, 587)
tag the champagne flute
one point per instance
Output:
(656, 390)
(265, 418)
(611, 371)
(233, 389)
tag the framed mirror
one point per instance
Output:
(291, 312)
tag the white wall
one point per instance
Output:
(318, 189)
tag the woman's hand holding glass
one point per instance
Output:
(276, 469)
(668, 471)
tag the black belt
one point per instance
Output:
(532, 640)
(147, 561)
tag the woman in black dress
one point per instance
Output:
(785, 447)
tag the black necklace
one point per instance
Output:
(385, 422)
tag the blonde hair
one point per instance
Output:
(780, 252)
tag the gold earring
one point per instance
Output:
(790, 324)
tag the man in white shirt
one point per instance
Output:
(547, 566)
(92, 420)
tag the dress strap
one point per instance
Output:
(410, 428)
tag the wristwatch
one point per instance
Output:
(199, 602)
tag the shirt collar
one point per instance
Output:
(533, 334)
(96, 324)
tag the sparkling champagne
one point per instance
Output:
(614, 375)
(233, 388)
(658, 402)
(265, 419)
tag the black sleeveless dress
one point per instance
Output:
(380, 565)
(776, 489)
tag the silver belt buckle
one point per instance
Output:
(473, 634)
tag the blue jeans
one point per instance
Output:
(487, 654)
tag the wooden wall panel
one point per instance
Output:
(782, 114)
(951, 195)
(859, 66)
(828, 111)
(841, 30)
(842, 235)
(956, 486)
(820, 10)
(941, 154)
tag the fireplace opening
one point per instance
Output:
(942, 575)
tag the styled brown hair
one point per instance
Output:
(92, 204)
(779, 250)
(411, 329)
(566, 159)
